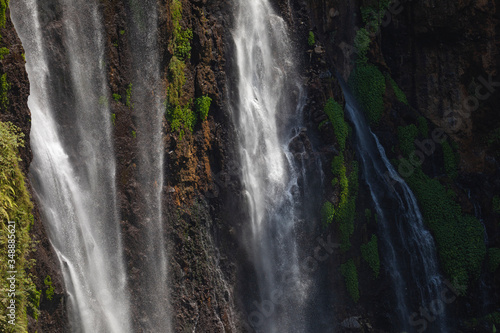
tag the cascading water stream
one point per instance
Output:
(267, 115)
(73, 168)
(408, 248)
(150, 285)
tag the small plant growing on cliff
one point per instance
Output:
(311, 40)
(3, 52)
(128, 100)
(493, 259)
(335, 114)
(362, 42)
(4, 90)
(350, 274)
(202, 105)
(117, 97)
(50, 289)
(3, 8)
(113, 119)
(369, 252)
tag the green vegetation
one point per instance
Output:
(50, 289)
(202, 105)
(345, 212)
(450, 160)
(335, 114)
(459, 237)
(4, 90)
(406, 138)
(311, 41)
(368, 214)
(327, 212)
(493, 259)
(181, 38)
(369, 252)
(122, 32)
(350, 274)
(128, 99)
(15, 206)
(362, 42)
(423, 127)
(3, 52)
(400, 95)
(117, 97)
(3, 8)
(496, 204)
(113, 118)
(134, 134)
(179, 113)
(368, 85)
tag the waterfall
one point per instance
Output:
(408, 248)
(73, 168)
(267, 115)
(150, 283)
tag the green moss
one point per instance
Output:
(369, 252)
(15, 206)
(350, 274)
(311, 41)
(459, 237)
(450, 160)
(423, 127)
(113, 118)
(335, 114)
(362, 42)
(202, 105)
(4, 91)
(327, 212)
(368, 85)
(128, 99)
(400, 95)
(345, 212)
(134, 134)
(406, 138)
(49, 292)
(117, 97)
(122, 32)
(493, 259)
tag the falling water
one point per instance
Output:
(73, 168)
(150, 285)
(408, 248)
(267, 116)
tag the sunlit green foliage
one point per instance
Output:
(15, 205)
(4, 90)
(202, 105)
